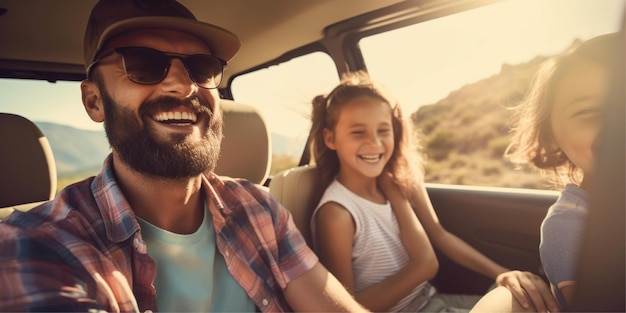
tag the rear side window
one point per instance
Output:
(457, 77)
(79, 145)
(283, 94)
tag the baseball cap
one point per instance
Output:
(112, 17)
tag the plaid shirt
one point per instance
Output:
(83, 251)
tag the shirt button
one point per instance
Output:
(148, 311)
(265, 302)
(227, 254)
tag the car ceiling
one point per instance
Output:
(47, 36)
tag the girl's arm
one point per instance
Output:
(525, 286)
(412, 234)
(335, 252)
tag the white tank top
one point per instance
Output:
(377, 250)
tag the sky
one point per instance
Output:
(444, 55)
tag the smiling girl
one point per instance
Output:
(374, 224)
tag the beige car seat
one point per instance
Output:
(246, 147)
(27, 170)
(294, 189)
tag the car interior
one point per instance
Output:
(503, 223)
(244, 130)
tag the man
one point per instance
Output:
(152, 231)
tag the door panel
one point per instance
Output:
(502, 223)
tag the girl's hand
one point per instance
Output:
(387, 182)
(391, 189)
(412, 234)
(529, 290)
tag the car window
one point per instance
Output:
(78, 144)
(283, 94)
(457, 76)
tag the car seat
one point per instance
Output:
(246, 151)
(27, 170)
(294, 189)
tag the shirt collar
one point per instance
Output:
(119, 218)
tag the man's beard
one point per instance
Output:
(176, 158)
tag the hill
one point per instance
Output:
(465, 134)
(75, 150)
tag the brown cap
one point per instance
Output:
(113, 17)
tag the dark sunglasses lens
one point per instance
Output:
(205, 70)
(144, 65)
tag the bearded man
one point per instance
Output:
(156, 229)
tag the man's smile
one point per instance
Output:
(176, 118)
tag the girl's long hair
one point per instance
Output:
(405, 163)
(533, 141)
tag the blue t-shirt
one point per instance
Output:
(191, 276)
(561, 233)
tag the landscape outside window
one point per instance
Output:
(458, 78)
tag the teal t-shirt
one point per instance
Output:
(191, 276)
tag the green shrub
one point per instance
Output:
(440, 144)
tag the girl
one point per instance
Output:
(557, 132)
(374, 224)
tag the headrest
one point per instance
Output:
(246, 147)
(294, 188)
(27, 169)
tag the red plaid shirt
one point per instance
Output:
(83, 251)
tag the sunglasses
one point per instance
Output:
(147, 66)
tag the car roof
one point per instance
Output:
(266, 29)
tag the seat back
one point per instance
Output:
(246, 150)
(294, 189)
(27, 170)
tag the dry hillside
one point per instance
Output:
(464, 135)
